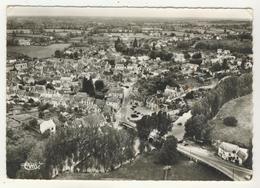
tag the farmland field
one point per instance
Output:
(242, 109)
(37, 51)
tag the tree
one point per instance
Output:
(215, 67)
(99, 85)
(135, 43)
(46, 134)
(75, 55)
(88, 87)
(50, 86)
(18, 146)
(33, 122)
(160, 121)
(197, 127)
(168, 154)
(230, 121)
(186, 55)
(225, 64)
(143, 127)
(58, 54)
(41, 114)
(35, 156)
(31, 101)
(196, 55)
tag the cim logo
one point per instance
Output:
(31, 165)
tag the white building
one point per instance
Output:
(20, 66)
(24, 42)
(113, 102)
(119, 66)
(48, 125)
(232, 152)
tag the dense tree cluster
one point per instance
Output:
(60, 54)
(152, 85)
(162, 54)
(168, 154)
(196, 58)
(88, 87)
(18, 146)
(90, 147)
(160, 121)
(228, 88)
(96, 89)
(197, 127)
(244, 47)
(99, 85)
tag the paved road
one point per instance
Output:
(124, 111)
(231, 170)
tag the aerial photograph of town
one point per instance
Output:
(121, 94)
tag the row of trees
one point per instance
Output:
(206, 108)
(244, 47)
(88, 146)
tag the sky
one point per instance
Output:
(131, 12)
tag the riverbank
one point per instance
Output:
(144, 168)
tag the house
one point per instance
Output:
(130, 67)
(24, 42)
(20, 66)
(232, 152)
(113, 102)
(38, 89)
(48, 125)
(219, 51)
(82, 99)
(173, 91)
(179, 57)
(135, 100)
(226, 52)
(154, 136)
(120, 66)
(188, 69)
(116, 92)
(152, 103)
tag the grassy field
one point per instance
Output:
(144, 168)
(36, 51)
(242, 109)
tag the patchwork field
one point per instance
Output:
(242, 109)
(37, 51)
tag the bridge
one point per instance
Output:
(231, 170)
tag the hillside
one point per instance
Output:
(242, 109)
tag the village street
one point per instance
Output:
(124, 112)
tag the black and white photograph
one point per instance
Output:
(129, 93)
